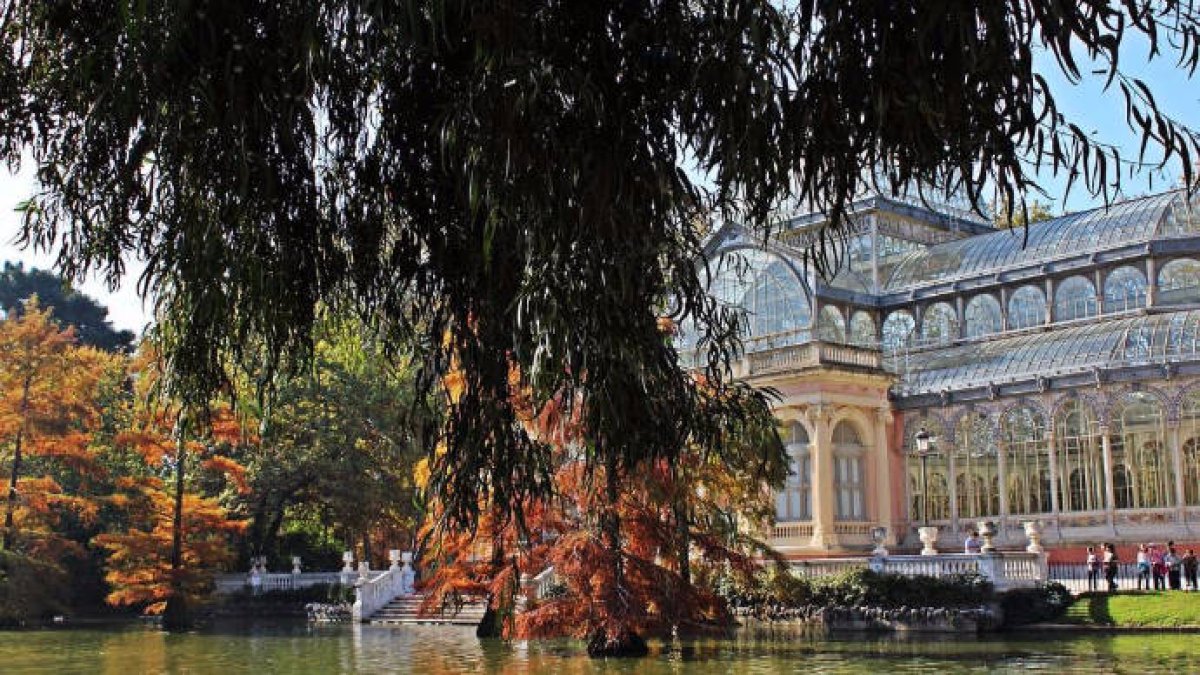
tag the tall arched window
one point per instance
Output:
(1179, 282)
(1075, 298)
(1124, 289)
(936, 471)
(1138, 444)
(898, 330)
(849, 477)
(1080, 457)
(794, 502)
(1026, 308)
(977, 468)
(939, 324)
(983, 316)
(862, 329)
(831, 326)
(768, 290)
(1189, 432)
(1027, 458)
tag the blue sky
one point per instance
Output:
(1086, 104)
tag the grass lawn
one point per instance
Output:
(1158, 609)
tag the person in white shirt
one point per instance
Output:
(1143, 567)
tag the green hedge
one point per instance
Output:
(859, 588)
(1047, 602)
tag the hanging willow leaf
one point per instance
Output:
(500, 182)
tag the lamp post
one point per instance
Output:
(924, 447)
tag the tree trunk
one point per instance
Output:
(176, 615)
(10, 509)
(625, 642)
(683, 541)
(491, 626)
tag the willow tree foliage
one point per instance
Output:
(504, 181)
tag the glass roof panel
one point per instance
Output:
(1128, 222)
(1136, 340)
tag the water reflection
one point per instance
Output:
(264, 647)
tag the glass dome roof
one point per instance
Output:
(1131, 221)
(1158, 338)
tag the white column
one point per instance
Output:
(1151, 282)
(883, 474)
(1110, 493)
(1177, 461)
(822, 476)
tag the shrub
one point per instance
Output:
(322, 593)
(30, 590)
(1047, 602)
(858, 588)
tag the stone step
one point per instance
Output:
(406, 609)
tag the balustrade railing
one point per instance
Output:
(371, 593)
(226, 584)
(1005, 570)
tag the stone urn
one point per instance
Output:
(1033, 530)
(394, 558)
(879, 535)
(987, 530)
(295, 564)
(928, 536)
(348, 562)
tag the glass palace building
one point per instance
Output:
(1054, 369)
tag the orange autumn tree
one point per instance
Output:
(698, 510)
(49, 410)
(177, 536)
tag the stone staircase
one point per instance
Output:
(405, 609)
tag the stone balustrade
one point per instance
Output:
(1005, 570)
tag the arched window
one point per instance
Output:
(794, 502)
(898, 330)
(862, 329)
(831, 326)
(983, 316)
(849, 477)
(1179, 282)
(977, 468)
(1026, 308)
(1124, 289)
(1138, 445)
(1191, 471)
(939, 324)
(936, 470)
(1075, 298)
(768, 290)
(1189, 429)
(1080, 457)
(1027, 459)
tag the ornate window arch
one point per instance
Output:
(1027, 460)
(898, 330)
(1080, 457)
(1189, 434)
(977, 468)
(794, 502)
(849, 473)
(766, 287)
(862, 329)
(939, 324)
(1124, 289)
(983, 316)
(1026, 308)
(1075, 298)
(1138, 443)
(1179, 282)
(831, 325)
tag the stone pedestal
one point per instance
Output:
(408, 576)
(295, 564)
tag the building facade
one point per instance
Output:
(1055, 370)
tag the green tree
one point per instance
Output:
(503, 179)
(68, 306)
(338, 448)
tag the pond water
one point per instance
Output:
(274, 647)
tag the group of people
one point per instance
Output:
(1161, 565)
